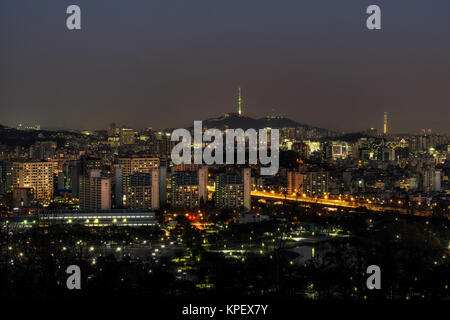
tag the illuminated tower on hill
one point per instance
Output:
(240, 103)
(385, 127)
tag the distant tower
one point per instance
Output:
(240, 103)
(385, 128)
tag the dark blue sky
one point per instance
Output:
(166, 63)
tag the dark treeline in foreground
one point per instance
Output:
(411, 252)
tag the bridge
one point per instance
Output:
(332, 202)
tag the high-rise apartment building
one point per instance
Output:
(36, 175)
(133, 165)
(294, 182)
(6, 169)
(142, 165)
(315, 183)
(431, 180)
(189, 188)
(118, 187)
(95, 191)
(162, 185)
(421, 143)
(233, 191)
(142, 190)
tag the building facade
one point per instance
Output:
(36, 175)
(95, 192)
(142, 190)
(315, 183)
(294, 182)
(189, 188)
(233, 191)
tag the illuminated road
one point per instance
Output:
(331, 202)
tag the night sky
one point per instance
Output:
(165, 63)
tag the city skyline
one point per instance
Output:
(382, 129)
(200, 156)
(158, 64)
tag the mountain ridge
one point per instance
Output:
(234, 121)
